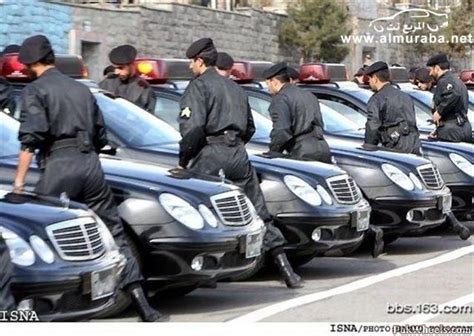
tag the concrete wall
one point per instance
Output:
(23, 18)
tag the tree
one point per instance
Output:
(314, 28)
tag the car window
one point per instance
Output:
(335, 122)
(8, 136)
(260, 105)
(351, 113)
(168, 110)
(133, 125)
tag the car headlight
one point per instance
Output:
(107, 238)
(416, 181)
(462, 163)
(303, 190)
(20, 252)
(182, 211)
(208, 215)
(42, 249)
(398, 177)
(324, 194)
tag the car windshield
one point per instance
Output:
(350, 114)
(168, 110)
(335, 122)
(9, 136)
(260, 105)
(133, 125)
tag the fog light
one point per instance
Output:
(197, 263)
(410, 215)
(316, 235)
(25, 305)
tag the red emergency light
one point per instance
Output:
(467, 76)
(152, 70)
(314, 73)
(12, 69)
(15, 71)
(242, 72)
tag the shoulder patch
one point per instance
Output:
(185, 113)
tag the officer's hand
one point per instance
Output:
(436, 118)
(18, 187)
(433, 135)
(179, 167)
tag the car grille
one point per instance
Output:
(430, 175)
(77, 239)
(233, 208)
(344, 189)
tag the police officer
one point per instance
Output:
(60, 117)
(424, 81)
(450, 103)
(297, 121)
(216, 122)
(390, 114)
(294, 75)
(127, 83)
(224, 64)
(7, 302)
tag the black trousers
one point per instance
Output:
(6, 272)
(235, 163)
(80, 176)
(452, 132)
(311, 149)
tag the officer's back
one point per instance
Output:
(70, 105)
(226, 102)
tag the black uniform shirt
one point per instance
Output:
(450, 97)
(56, 107)
(294, 112)
(211, 105)
(386, 108)
(135, 90)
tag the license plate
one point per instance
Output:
(445, 203)
(253, 245)
(103, 283)
(363, 218)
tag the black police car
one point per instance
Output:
(177, 224)
(401, 203)
(66, 263)
(453, 160)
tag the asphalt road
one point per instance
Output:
(431, 271)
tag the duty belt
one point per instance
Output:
(63, 143)
(230, 138)
(306, 135)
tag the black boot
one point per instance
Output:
(147, 313)
(292, 279)
(462, 231)
(379, 245)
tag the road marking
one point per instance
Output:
(274, 309)
(462, 301)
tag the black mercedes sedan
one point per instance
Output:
(185, 230)
(66, 265)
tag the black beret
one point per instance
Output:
(124, 54)
(11, 48)
(275, 70)
(34, 49)
(423, 75)
(436, 59)
(224, 61)
(202, 48)
(293, 73)
(359, 72)
(375, 67)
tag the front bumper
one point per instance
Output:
(337, 229)
(401, 216)
(63, 291)
(221, 258)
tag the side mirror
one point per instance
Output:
(109, 150)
